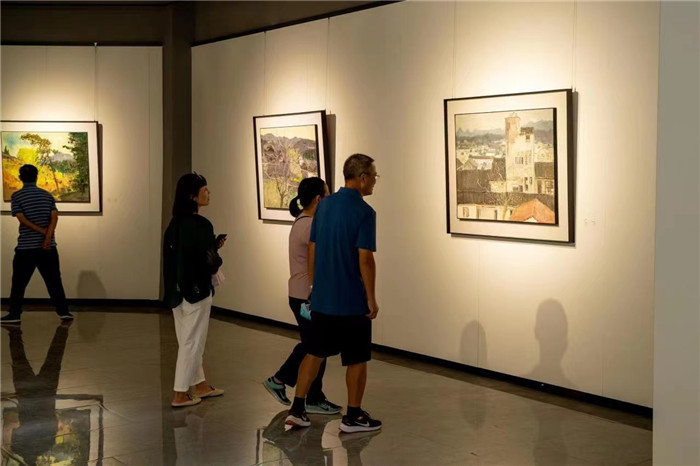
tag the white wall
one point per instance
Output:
(677, 323)
(116, 254)
(580, 317)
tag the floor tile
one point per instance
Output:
(100, 391)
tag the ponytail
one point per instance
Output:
(309, 188)
(295, 207)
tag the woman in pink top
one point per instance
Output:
(302, 207)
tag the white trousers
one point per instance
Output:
(191, 326)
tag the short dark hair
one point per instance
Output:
(356, 165)
(188, 186)
(28, 173)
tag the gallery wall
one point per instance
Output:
(578, 316)
(114, 255)
(677, 268)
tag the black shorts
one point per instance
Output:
(349, 336)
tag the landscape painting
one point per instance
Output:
(289, 148)
(505, 166)
(510, 166)
(64, 154)
(288, 156)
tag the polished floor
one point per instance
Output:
(98, 391)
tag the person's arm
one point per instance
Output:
(368, 270)
(310, 264)
(50, 229)
(23, 220)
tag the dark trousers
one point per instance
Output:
(290, 369)
(23, 265)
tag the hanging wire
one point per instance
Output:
(454, 50)
(94, 85)
(265, 73)
(328, 66)
(573, 46)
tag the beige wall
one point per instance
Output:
(116, 254)
(677, 285)
(580, 317)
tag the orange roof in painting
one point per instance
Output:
(533, 209)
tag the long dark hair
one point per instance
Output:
(309, 188)
(188, 186)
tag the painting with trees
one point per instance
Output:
(65, 155)
(289, 148)
(509, 163)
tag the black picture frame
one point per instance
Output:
(309, 130)
(486, 196)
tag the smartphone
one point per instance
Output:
(220, 238)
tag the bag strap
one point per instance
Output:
(299, 218)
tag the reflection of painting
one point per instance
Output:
(288, 149)
(505, 166)
(288, 156)
(65, 155)
(509, 166)
(75, 434)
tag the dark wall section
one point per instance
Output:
(217, 20)
(177, 100)
(41, 24)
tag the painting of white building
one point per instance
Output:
(505, 166)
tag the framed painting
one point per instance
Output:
(510, 166)
(288, 148)
(66, 154)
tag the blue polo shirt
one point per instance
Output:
(343, 223)
(36, 205)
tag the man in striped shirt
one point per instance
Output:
(36, 211)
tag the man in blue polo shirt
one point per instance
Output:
(343, 301)
(36, 211)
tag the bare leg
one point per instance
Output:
(356, 379)
(202, 387)
(308, 370)
(180, 397)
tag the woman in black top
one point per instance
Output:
(190, 259)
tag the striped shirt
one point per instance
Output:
(36, 205)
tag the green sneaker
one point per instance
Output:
(278, 391)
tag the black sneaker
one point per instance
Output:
(297, 419)
(65, 316)
(322, 407)
(278, 391)
(11, 319)
(361, 423)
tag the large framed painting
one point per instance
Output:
(288, 148)
(510, 166)
(66, 154)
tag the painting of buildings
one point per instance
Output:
(505, 166)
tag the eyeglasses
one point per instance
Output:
(376, 175)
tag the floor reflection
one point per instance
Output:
(40, 427)
(122, 364)
(278, 442)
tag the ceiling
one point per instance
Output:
(148, 22)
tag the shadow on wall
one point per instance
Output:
(474, 405)
(551, 331)
(90, 286)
